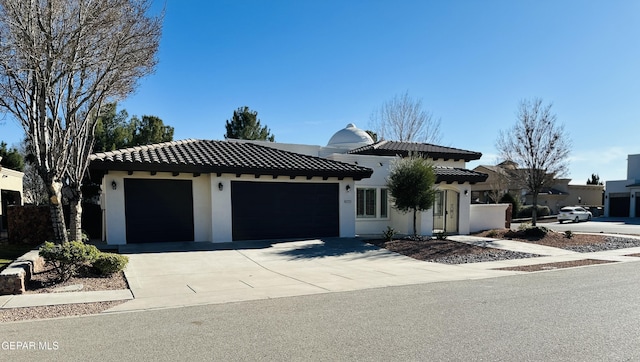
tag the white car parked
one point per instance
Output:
(573, 213)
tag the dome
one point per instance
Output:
(350, 137)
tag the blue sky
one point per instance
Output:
(311, 67)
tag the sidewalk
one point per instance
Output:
(292, 269)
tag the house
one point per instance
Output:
(621, 196)
(557, 195)
(221, 191)
(10, 193)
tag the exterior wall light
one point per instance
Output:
(114, 185)
(348, 188)
(220, 186)
(466, 192)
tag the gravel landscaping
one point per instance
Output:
(86, 281)
(609, 243)
(451, 252)
(447, 251)
(581, 243)
(55, 311)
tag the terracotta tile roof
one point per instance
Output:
(204, 156)
(452, 174)
(393, 148)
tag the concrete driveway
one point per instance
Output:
(182, 274)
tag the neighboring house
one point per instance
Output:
(221, 191)
(10, 192)
(621, 196)
(555, 196)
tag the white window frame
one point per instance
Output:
(365, 202)
(384, 203)
(378, 203)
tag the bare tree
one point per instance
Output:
(403, 119)
(498, 184)
(60, 60)
(35, 191)
(539, 146)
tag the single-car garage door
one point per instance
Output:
(158, 210)
(619, 206)
(273, 210)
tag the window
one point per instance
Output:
(366, 203)
(438, 203)
(384, 203)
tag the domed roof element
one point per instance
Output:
(350, 137)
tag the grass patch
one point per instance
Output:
(10, 252)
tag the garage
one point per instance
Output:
(158, 210)
(222, 191)
(619, 205)
(279, 210)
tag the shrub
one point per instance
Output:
(492, 233)
(442, 235)
(67, 257)
(537, 231)
(568, 234)
(389, 233)
(527, 211)
(109, 263)
(533, 231)
(509, 199)
(524, 226)
(85, 236)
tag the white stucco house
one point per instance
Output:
(11, 192)
(621, 196)
(222, 191)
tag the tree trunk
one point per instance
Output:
(75, 216)
(415, 230)
(57, 214)
(534, 209)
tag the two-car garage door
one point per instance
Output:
(272, 210)
(159, 210)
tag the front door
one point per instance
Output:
(445, 212)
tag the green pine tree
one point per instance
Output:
(245, 125)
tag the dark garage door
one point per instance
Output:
(158, 210)
(273, 210)
(619, 206)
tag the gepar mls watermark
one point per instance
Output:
(29, 345)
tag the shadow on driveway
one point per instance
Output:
(293, 248)
(173, 247)
(332, 247)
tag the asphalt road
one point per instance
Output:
(629, 226)
(579, 314)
